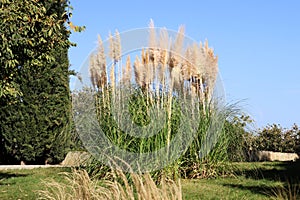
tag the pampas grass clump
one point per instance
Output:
(166, 76)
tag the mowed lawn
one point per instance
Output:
(24, 183)
(251, 181)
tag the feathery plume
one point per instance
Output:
(127, 72)
(159, 65)
(111, 46)
(112, 76)
(101, 64)
(178, 45)
(163, 57)
(211, 71)
(152, 35)
(93, 72)
(176, 49)
(176, 77)
(143, 56)
(153, 51)
(163, 46)
(148, 70)
(117, 46)
(138, 72)
(188, 64)
(101, 55)
(146, 61)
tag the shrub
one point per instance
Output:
(275, 138)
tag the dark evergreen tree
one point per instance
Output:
(35, 126)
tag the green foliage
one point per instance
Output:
(230, 146)
(139, 105)
(29, 30)
(270, 138)
(275, 138)
(23, 183)
(239, 137)
(35, 125)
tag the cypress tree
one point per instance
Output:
(35, 126)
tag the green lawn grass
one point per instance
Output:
(23, 184)
(252, 181)
(226, 188)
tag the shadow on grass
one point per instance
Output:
(261, 189)
(288, 173)
(4, 176)
(281, 171)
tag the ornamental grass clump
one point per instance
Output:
(156, 83)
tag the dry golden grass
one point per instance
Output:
(138, 71)
(98, 66)
(127, 74)
(79, 185)
(115, 46)
(163, 59)
(291, 191)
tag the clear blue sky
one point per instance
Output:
(258, 44)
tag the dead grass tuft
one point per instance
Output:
(79, 185)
